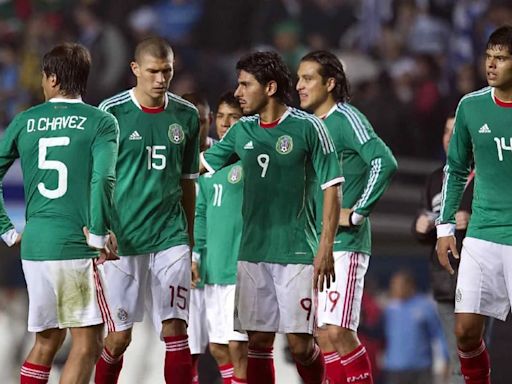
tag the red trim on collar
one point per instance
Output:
(152, 109)
(501, 103)
(269, 125)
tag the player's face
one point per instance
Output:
(312, 88)
(226, 116)
(447, 134)
(49, 87)
(498, 67)
(250, 93)
(153, 75)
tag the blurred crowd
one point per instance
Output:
(409, 61)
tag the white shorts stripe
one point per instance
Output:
(102, 302)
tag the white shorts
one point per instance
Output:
(158, 282)
(341, 304)
(197, 329)
(484, 284)
(220, 309)
(274, 298)
(65, 294)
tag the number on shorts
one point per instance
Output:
(178, 296)
(333, 296)
(306, 305)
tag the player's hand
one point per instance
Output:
(424, 224)
(344, 220)
(462, 220)
(18, 239)
(323, 269)
(196, 277)
(444, 245)
(106, 253)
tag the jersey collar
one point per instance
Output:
(277, 122)
(134, 99)
(65, 100)
(333, 108)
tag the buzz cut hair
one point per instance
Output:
(70, 63)
(154, 46)
(331, 67)
(268, 66)
(229, 98)
(501, 37)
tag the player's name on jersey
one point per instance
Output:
(56, 123)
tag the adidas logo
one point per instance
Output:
(135, 136)
(484, 129)
(249, 145)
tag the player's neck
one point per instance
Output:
(147, 101)
(503, 94)
(323, 109)
(272, 111)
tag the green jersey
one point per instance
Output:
(481, 136)
(218, 224)
(281, 165)
(368, 166)
(68, 152)
(156, 150)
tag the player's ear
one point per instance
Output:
(135, 68)
(331, 83)
(271, 88)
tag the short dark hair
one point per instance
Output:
(229, 98)
(268, 66)
(196, 98)
(330, 66)
(70, 63)
(154, 46)
(501, 37)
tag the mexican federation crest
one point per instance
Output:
(235, 174)
(284, 145)
(175, 133)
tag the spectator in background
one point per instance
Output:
(10, 97)
(411, 327)
(287, 40)
(108, 51)
(443, 285)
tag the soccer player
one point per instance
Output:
(154, 216)
(284, 153)
(481, 135)
(68, 153)
(218, 227)
(368, 165)
(197, 328)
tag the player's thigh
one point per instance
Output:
(294, 291)
(256, 306)
(197, 329)
(481, 285)
(170, 275)
(341, 304)
(126, 280)
(220, 308)
(65, 294)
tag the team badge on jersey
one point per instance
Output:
(122, 314)
(176, 134)
(235, 175)
(284, 145)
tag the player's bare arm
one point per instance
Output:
(109, 251)
(444, 245)
(188, 200)
(324, 260)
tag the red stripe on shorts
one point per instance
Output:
(347, 291)
(353, 289)
(102, 302)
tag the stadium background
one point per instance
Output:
(409, 62)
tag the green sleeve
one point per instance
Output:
(457, 168)
(218, 155)
(323, 154)
(382, 165)
(8, 153)
(200, 219)
(190, 166)
(104, 153)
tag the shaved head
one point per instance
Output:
(156, 47)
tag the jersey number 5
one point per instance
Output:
(60, 167)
